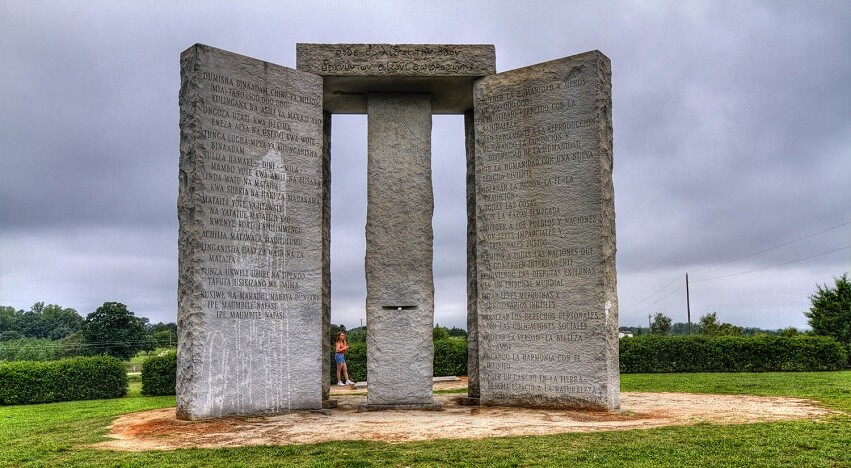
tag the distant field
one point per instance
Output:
(51, 435)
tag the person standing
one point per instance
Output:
(340, 348)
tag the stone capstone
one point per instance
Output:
(352, 71)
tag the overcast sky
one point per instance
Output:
(732, 131)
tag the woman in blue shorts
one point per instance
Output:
(340, 348)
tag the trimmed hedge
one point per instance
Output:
(762, 353)
(83, 378)
(450, 358)
(159, 375)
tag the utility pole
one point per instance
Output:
(688, 306)
(649, 323)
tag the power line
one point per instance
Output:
(651, 295)
(772, 266)
(660, 300)
(772, 248)
(635, 304)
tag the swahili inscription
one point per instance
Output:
(250, 206)
(545, 240)
(253, 237)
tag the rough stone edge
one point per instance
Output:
(433, 406)
(487, 57)
(189, 306)
(329, 404)
(603, 106)
(469, 401)
(326, 257)
(472, 278)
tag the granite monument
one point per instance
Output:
(254, 211)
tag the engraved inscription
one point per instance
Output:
(538, 227)
(259, 183)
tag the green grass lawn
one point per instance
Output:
(52, 435)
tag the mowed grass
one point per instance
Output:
(56, 434)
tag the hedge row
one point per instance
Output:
(83, 378)
(450, 358)
(764, 353)
(159, 375)
(646, 354)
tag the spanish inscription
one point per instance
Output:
(544, 243)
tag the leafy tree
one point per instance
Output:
(114, 330)
(9, 318)
(41, 321)
(63, 321)
(455, 331)
(73, 345)
(661, 325)
(830, 314)
(11, 335)
(159, 326)
(356, 335)
(165, 338)
(439, 333)
(709, 325)
(681, 328)
(149, 343)
(789, 332)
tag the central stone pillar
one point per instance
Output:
(399, 237)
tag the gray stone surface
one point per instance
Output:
(326, 259)
(250, 305)
(399, 60)
(352, 71)
(472, 280)
(547, 303)
(399, 279)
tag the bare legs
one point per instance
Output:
(345, 369)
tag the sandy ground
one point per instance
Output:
(160, 430)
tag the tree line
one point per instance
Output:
(829, 315)
(51, 332)
(114, 330)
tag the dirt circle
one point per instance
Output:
(161, 430)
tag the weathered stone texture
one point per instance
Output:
(396, 59)
(250, 292)
(351, 72)
(547, 303)
(472, 281)
(399, 236)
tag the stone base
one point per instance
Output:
(433, 406)
(469, 401)
(329, 404)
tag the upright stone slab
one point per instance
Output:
(545, 249)
(399, 236)
(250, 294)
